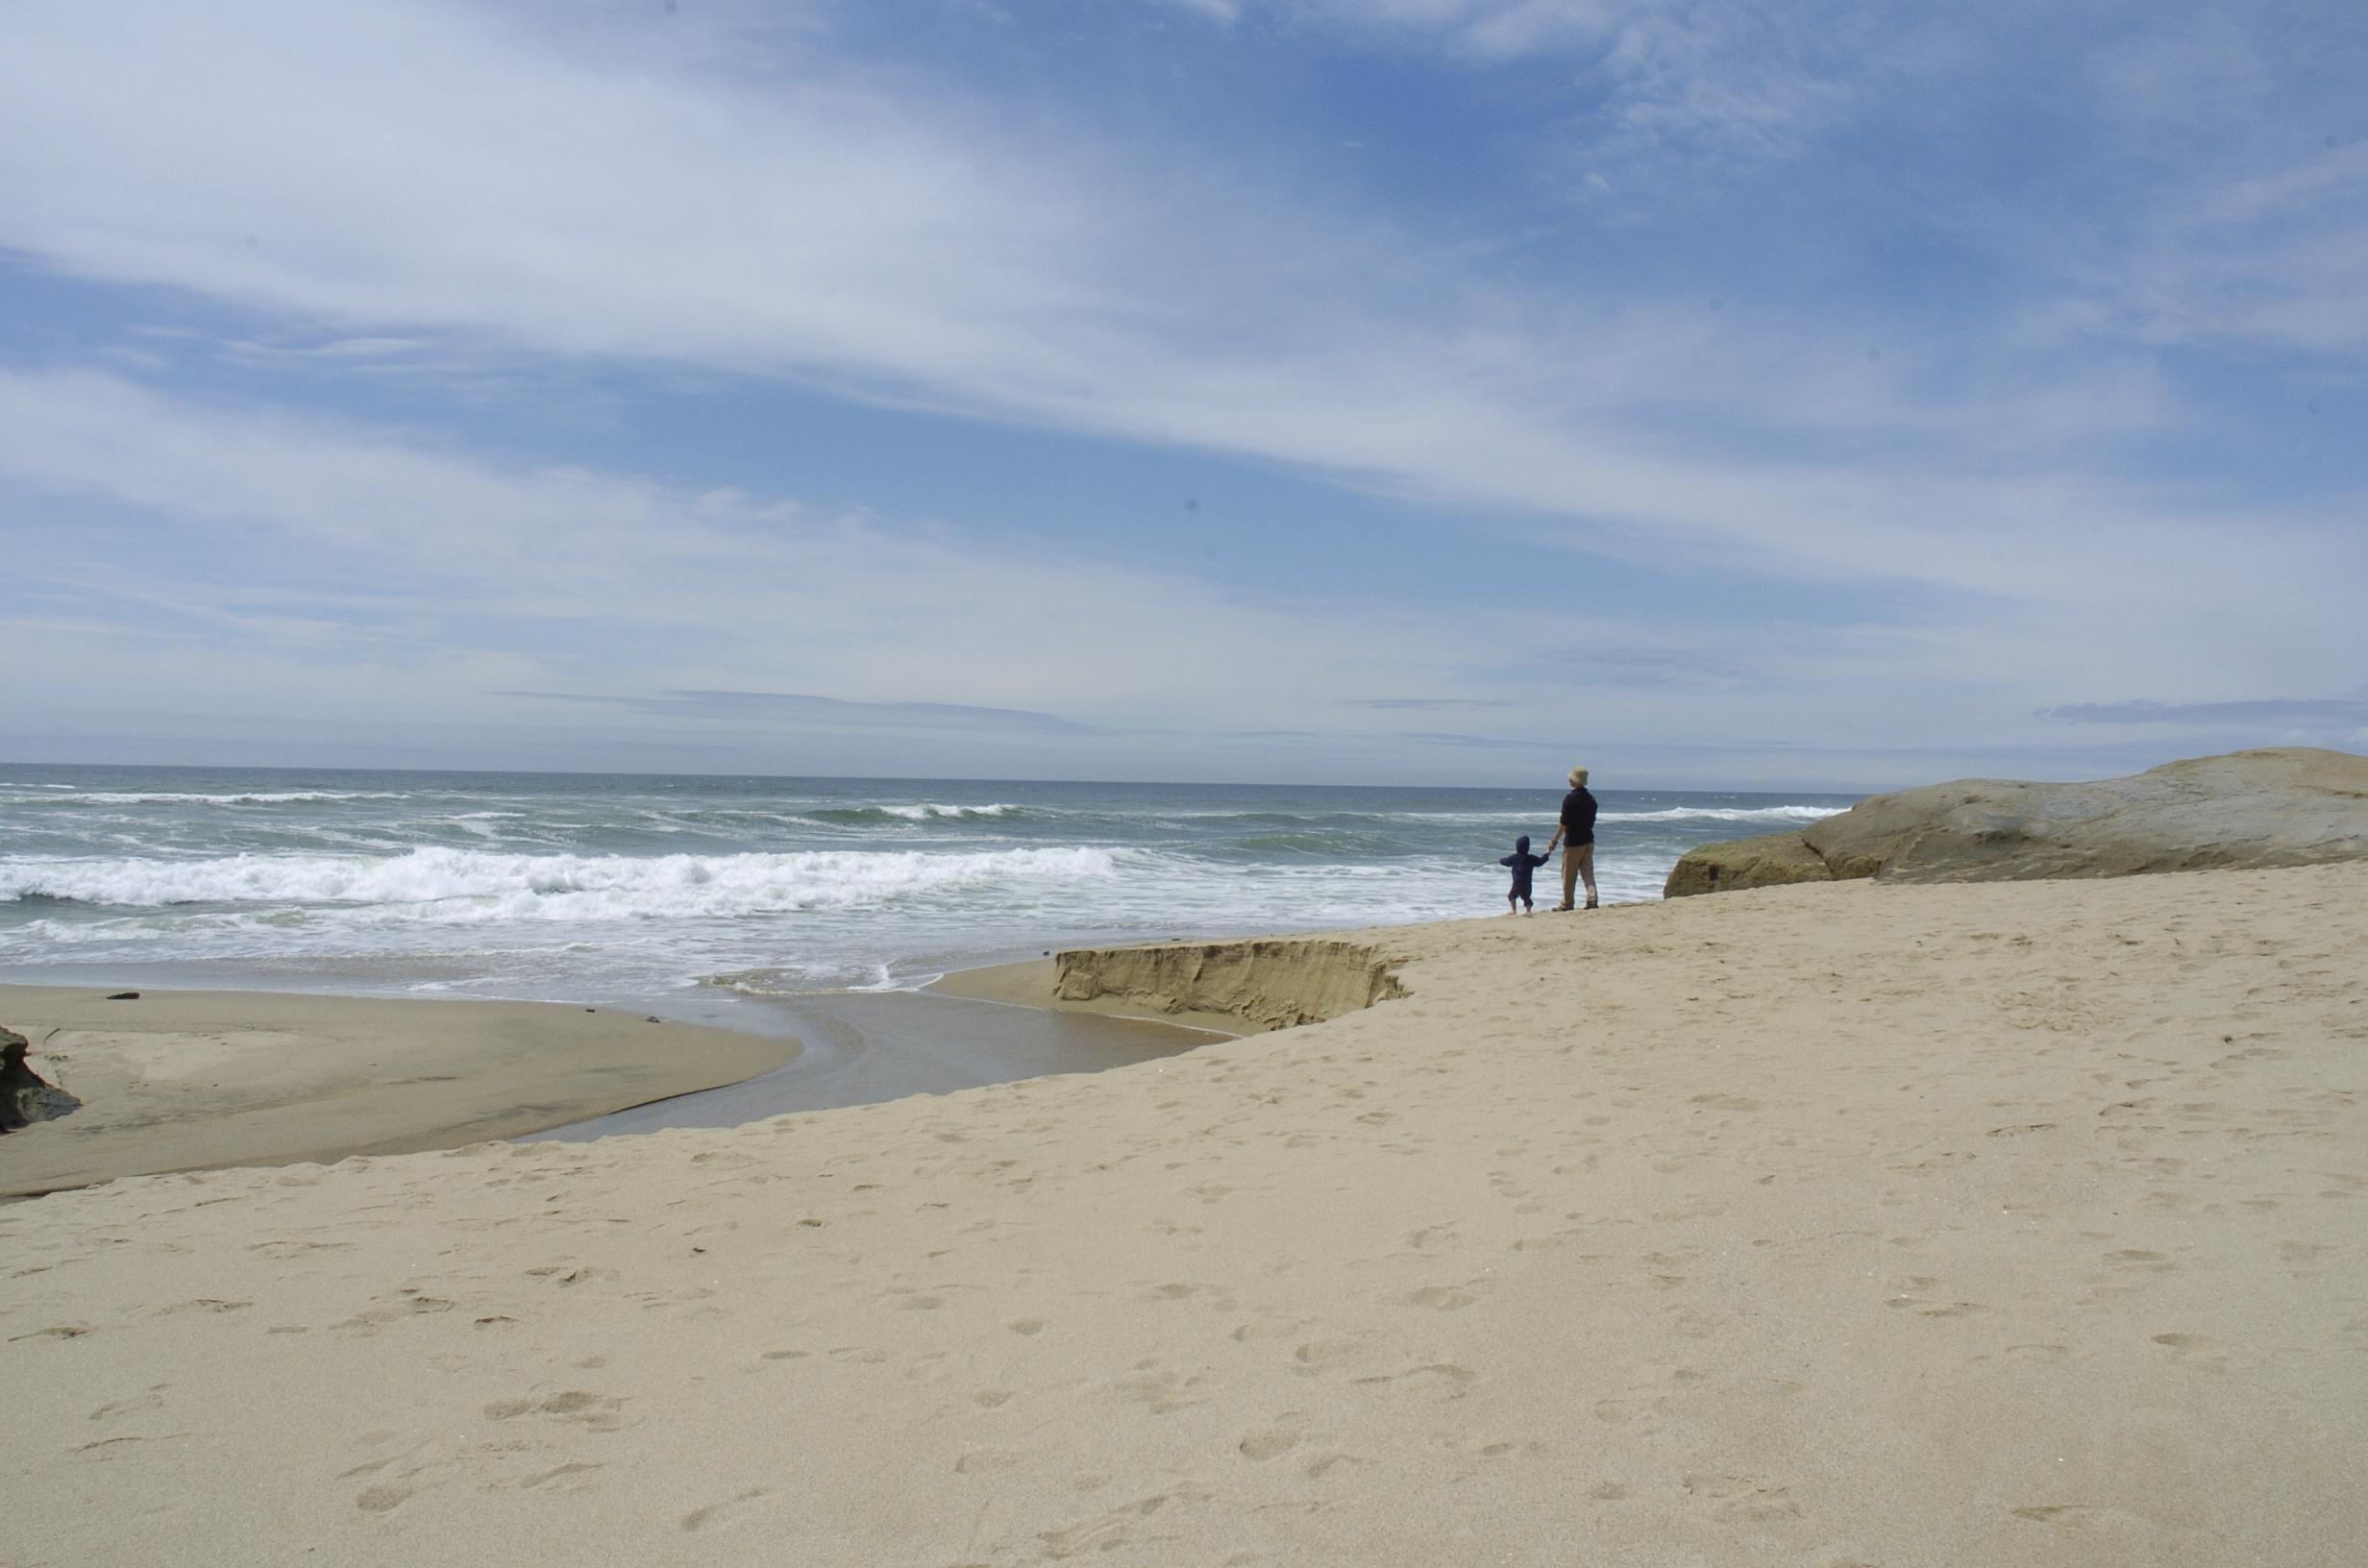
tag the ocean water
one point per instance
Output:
(636, 888)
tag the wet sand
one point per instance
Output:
(861, 1048)
(202, 1080)
(198, 1080)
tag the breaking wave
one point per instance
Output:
(180, 798)
(927, 810)
(466, 885)
(1726, 814)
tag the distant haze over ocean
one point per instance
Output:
(628, 889)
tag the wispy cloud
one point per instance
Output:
(797, 708)
(1480, 742)
(315, 564)
(916, 250)
(2272, 713)
(1691, 76)
(483, 579)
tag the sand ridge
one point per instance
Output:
(1837, 1224)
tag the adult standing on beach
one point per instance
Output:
(1575, 832)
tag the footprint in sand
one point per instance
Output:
(2155, 1262)
(116, 1408)
(2081, 1516)
(1163, 1392)
(105, 1448)
(1760, 1501)
(1438, 1381)
(1110, 1530)
(1319, 1355)
(980, 1462)
(2191, 1348)
(1448, 1298)
(699, 1519)
(1280, 1438)
(574, 1404)
(1912, 1299)
(558, 1473)
(2300, 1254)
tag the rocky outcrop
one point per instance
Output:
(1767, 861)
(2247, 809)
(1269, 983)
(25, 1097)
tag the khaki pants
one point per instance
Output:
(1578, 862)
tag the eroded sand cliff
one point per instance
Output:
(1270, 983)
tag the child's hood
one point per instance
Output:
(1520, 846)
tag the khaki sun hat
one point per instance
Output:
(1578, 777)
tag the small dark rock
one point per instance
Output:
(123, 996)
(25, 1096)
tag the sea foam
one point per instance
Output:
(446, 884)
(1725, 814)
(187, 797)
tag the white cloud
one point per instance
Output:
(312, 548)
(2275, 260)
(1704, 74)
(199, 560)
(397, 171)
(1220, 11)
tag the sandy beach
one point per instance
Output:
(1850, 1223)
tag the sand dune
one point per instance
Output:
(1839, 1224)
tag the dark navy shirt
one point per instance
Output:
(1579, 816)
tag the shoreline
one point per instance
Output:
(183, 1080)
(1029, 983)
(874, 1047)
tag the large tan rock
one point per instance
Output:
(2247, 809)
(1769, 860)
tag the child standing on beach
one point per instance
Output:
(1523, 863)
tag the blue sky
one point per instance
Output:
(1726, 394)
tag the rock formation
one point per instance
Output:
(2247, 809)
(1767, 861)
(25, 1096)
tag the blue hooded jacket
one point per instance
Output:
(1523, 863)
